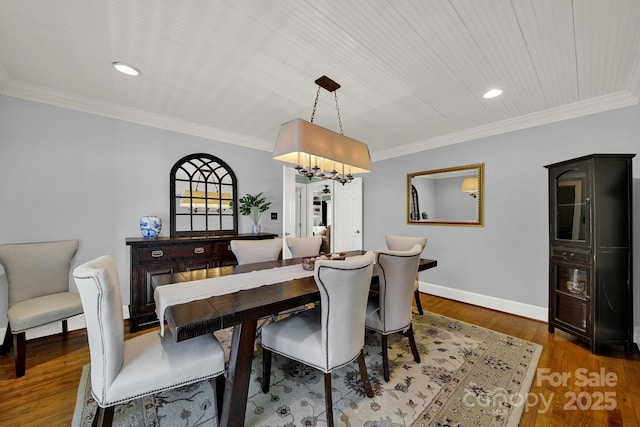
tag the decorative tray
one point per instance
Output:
(310, 262)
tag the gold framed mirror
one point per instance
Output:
(449, 196)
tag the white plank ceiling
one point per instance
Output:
(412, 71)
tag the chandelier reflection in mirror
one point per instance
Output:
(319, 152)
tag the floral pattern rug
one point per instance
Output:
(468, 376)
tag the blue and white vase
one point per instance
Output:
(150, 226)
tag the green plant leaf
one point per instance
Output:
(253, 206)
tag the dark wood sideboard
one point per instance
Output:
(166, 255)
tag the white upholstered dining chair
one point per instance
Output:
(403, 243)
(332, 335)
(250, 251)
(304, 246)
(146, 364)
(389, 309)
(38, 289)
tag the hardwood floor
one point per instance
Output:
(46, 395)
(578, 399)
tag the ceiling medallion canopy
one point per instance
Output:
(318, 152)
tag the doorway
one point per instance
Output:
(311, 206)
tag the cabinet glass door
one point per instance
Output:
(572, 295)
(572, 210)
(573, 280)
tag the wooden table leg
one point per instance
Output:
(236, 390)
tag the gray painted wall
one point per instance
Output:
(67, 174)
(508, 257)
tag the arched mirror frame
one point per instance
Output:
(215, 210)
(461, 172)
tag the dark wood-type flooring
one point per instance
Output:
(46, 395)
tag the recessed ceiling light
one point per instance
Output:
(126, 68)
(492, 93)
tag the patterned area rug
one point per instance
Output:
(467, 376)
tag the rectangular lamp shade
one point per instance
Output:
(469, 185)
(304, 143)
(201, 199)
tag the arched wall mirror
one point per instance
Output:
(449, 196)
(203, 196)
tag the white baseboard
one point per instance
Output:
(511, 307)
(73, 323)
(507, 306)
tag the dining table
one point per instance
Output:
(242, 310)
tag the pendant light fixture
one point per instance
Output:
(317, 152)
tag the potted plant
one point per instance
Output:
(253, 206)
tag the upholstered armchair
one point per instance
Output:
(402, 243)
(38, 284)
(250, 251)
(325, 234)
(389, 309)
(146, 364)
(332, 335)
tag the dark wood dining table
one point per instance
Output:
(242, 310)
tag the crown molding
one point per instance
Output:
(564, 112)
(101, 108)
(70, 101)
(633, 84)
(4, 77)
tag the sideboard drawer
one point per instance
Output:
(177, 252)
(222, 248)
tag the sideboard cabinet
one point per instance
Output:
(163, 255)
(590, 249)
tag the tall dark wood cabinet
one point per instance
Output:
(590, 249)
(163, 255)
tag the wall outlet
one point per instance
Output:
(274, 215)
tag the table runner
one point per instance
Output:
(180, 293)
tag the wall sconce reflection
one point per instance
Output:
(470, 185)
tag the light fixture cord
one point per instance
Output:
(335, 95)
(315, 107)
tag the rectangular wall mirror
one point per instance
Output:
(449, 196)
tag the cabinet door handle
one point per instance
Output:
(198, 250)
(157, 254)
(571, 255)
